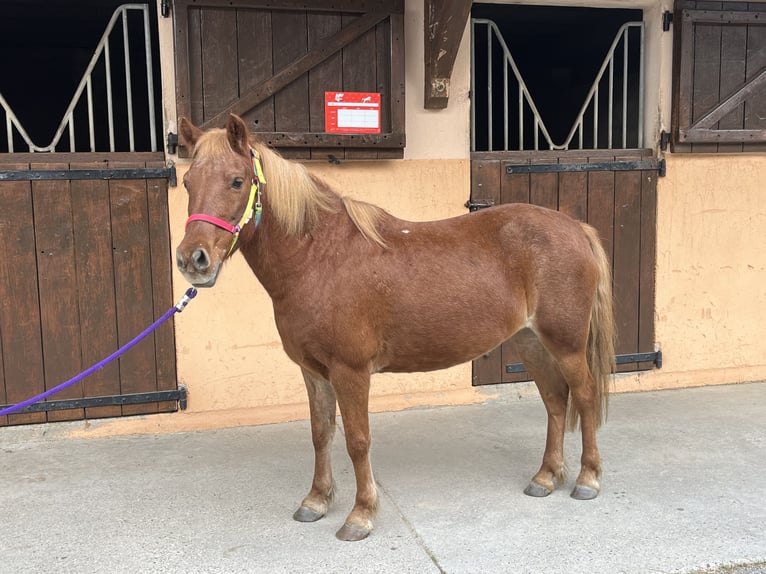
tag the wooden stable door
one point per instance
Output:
(85, 267)
(612, 190)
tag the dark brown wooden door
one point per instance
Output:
(271, 62)
(85, 267)
(615, 191)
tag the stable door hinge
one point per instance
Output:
(667, 20)
(476, 205)
(172, 143)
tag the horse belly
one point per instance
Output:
(441, 337)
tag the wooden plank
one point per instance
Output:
(133, 286)
(183, 59)
(95, 280)
(627, 242)
(254, 45)
(647, 265)
(360, 73)
(57, 283)
(573, 190)
(195, 88)
(161, 257)
(601, 208)
(287, 71)
(326, 76)
(397, 70)
(707, 74)
(683, 76)
(20, 317)
(445, 22)
(755, 108)
(486, 178)
(220, 78)
(291, 103)
(77, 157)
(515, 188)
(544, 188)
(733, 56)
(383, 71)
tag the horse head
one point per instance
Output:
(222, 187)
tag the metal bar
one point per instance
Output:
(655, 357)
(521, 118)
(473, 86)
(505, 106)
(489, 91)
(637, 165)
(71, 132)
(611, 103)
(595, 118)
(91, 126)
(625, 89)
(149, 78)
(109, 103)
(128, 87)
(82, 174)
(110, 400)
(641, 72)
(9, 132)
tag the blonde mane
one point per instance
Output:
(295, 197)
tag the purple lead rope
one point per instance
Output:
(177, 308)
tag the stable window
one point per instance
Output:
(719, 89)
(273, 62)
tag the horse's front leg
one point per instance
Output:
(352, 388)
(322, 407)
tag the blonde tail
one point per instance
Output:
(601, 338)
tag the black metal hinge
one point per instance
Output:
(172, 142)
(654, 357)
(664, 140)
(178, 394)
(165, 8)
(633, 165)
(83, 174)
(476, 205)
(667, 20)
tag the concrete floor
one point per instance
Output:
(683, 491)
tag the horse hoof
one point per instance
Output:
(352, 533)
(536, 490)
(582, 492)
(305, 514)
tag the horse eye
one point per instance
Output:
(237, 183)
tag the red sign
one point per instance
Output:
(352, 112)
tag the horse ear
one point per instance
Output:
(236, 130)
(189, 132)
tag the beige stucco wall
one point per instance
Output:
(710, 278)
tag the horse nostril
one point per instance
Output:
(180, 260)
(200, 259)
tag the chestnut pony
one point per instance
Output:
(357, 291)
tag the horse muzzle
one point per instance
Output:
(198, 267)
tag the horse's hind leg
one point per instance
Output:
(322, 405)
(554, 392)
(583, 393)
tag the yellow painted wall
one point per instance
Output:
(710, 278)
